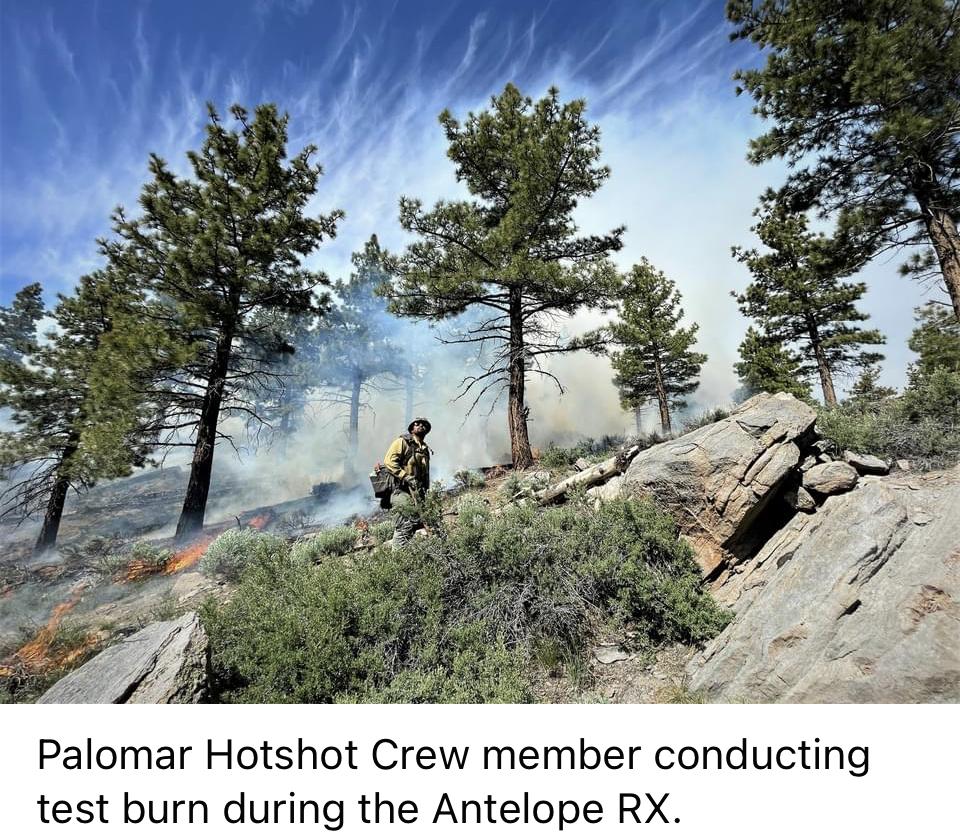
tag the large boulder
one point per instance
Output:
(164, 662)
(866, 464)
(859, 602)
(830, 478)
(718, 479)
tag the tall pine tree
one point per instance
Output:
(798, 299)
(864, 97)
(656, 362)
(218, 248)
(80, 399)
(356, 341)
(513, 250)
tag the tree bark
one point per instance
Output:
(58, 496)
(826, 377)
(516, 409)
(198, 487)
(662, 399)
(946, 244)
(597, 474)
(638, 419)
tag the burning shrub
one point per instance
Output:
(234, 550)
(141, 560)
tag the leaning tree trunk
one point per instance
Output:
(942, 230)
(198, 487)
(58, 496)
(826, 377)
(662, 399)
(516, 367)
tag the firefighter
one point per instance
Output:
(408, 460)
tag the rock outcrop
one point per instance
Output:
(164, 662)
(718, 479)
(859, 602)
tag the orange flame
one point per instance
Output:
(261, 521)
(189, 556)
(137, 569)
(35, 654)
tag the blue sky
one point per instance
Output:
(89, 88)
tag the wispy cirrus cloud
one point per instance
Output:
(364, 83)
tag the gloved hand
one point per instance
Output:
(411, 483)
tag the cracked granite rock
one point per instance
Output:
(718, 479)
(164, 662)
(859, 602)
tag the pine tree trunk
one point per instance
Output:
(51, 519)
(826, 377)
(638, 419)
(944, 237)
(198, 487)
(662, 399)
(354, 424)
(946, 244)
(516, 410)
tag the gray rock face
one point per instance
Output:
(866, 464)
(859, 602)
(829, 478)
(717, 479)
(163, 663)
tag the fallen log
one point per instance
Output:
(598, 474)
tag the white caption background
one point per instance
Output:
(910, 786)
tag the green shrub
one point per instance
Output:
(148, 557)
(555, 457)
(456, 617)
(468, 479)
(235, 550)
(703, 418)
(382, 531)
(894, 429)
(335, 541)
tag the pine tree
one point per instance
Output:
(655, 362)
(867, 392)
(864, 99)
(79, 399)
(357, 343)
(766, 365)
(933, 381)
(513, 249)
(798, 299)
(218, 249)
(18, 323)
(936, 339)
